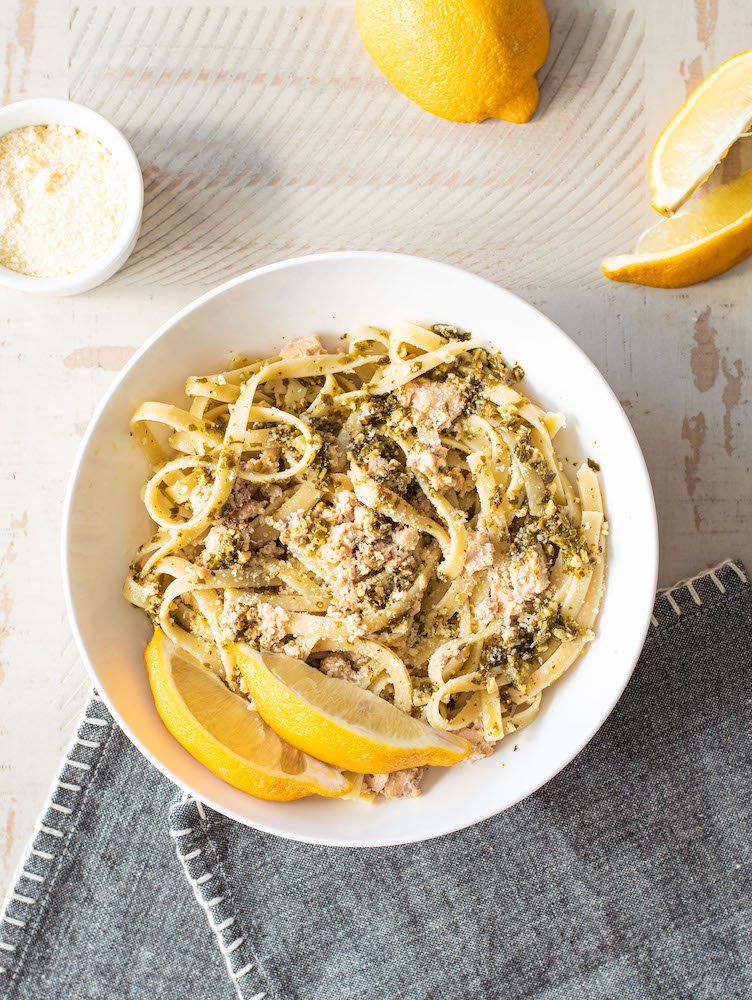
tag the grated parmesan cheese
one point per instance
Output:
(62, 200)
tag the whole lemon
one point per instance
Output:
(465, 60)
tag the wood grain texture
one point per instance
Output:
(264, 131)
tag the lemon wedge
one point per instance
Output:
(220, 729)
(339, 722)
(701, 133)
(711, 235)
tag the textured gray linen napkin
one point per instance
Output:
(626, 876)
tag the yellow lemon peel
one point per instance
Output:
(339, 722)
(712, 234)
(222, 731)
(467, 60)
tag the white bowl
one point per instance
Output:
(49, 111)
(104, 522)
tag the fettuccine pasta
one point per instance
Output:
(395, 514)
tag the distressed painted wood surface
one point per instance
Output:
(264, 131)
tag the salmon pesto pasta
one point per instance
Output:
(395, 515)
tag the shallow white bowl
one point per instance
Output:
(50, 111)
(254, 314)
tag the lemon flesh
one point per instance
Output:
(701, 133)
(339, 722)
(466, 61)
(222, 731)
(711, 235)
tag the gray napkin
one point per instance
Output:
(625, 876)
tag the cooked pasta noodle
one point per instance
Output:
(395, 514)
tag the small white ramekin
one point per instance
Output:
(48, 111)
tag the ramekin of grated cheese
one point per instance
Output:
(71, 197)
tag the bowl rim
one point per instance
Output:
(58, 111)
(641, 618)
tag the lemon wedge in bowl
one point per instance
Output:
(339, 722)
(701, 133)
(221, 730)
(711, 235)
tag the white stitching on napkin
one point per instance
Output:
(693, 593)
(190, 855)
(50, 830)
(69, 786)
(217, 928)
(23, 899)
(64, 825)
(61, 809)
(45, 855)
(32, 875)
(689, 583)
(77, 763)
(670, 598)
(217, 904)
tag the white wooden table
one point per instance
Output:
(264, 131)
